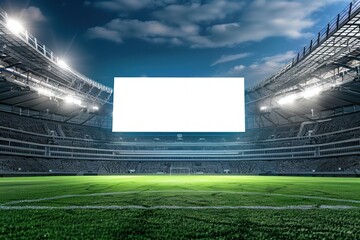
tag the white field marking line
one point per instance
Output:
(117, 207)
(179, 191)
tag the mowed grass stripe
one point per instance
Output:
(180, 224)
(181, 213)
(178, 196)
(13, 189)
(116, 207)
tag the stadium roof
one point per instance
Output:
(33, 77)
(323, 76)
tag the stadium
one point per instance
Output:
(293, 174)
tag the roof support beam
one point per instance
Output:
(35, 96)
(88, 119)
(17, 95)
(345, 66)
(282, 116)
(299, 113)
(73, 115)
(269, 119)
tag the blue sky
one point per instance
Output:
(107, 38)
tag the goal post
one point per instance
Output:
(179, 171)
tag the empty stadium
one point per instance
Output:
(293, 174)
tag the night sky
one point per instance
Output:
(103, 38)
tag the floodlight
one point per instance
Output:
(95, 108)
(311, 92)
(62, 64)
(71, 99)
(45, 92)
(287, 99)
(263, 108)
(14, 26)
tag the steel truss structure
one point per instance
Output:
(31, 77)
(331, 60)
(30, 74)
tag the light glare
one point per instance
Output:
(15, 26)
(311, 92)
(45, 92)
(62, 64)
(287, 100)
(71, 99)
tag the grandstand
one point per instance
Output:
(293, 174)
(54, 119)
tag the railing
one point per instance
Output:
(21, 135)
(340, 20)
(23, 148)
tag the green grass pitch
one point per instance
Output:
(179, 207)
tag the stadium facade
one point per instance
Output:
(304, 119)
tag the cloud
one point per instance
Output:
(152, 31)
(236, 70)
(126, 5)
(103, 33)
(122, 4)
(87, 3)
(262, 69)
(196, 12)
(261, 19)
(279, 58)
(212, 24)
(229, 58)
(32, 14)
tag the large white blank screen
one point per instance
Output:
(178, 105)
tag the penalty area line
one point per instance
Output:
(118, 207)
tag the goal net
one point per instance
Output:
(179, 170)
